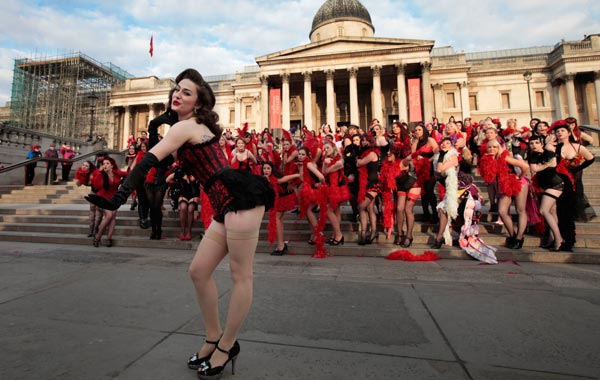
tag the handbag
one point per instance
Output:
(405, 181)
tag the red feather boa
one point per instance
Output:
(488, 170)
(508, 183)
(363, 175)
(563, 168)
(336, 193)
(407, 255)
(423, 171)
(321, 199)
(387, 176)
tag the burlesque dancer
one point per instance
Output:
(85, 176)
(143, 204)
(311, 179)
(368, 188)
(351, 152)
(130, 157)
(501, 168)
(239, 199)
(390, 170)
(156, 180)
(446, 168)
(337, 188)
(572, 159)
(584, 211)
(107, 183)
(285, 200)
(423, 149)
(187, 202)
(542, 163)
(242, 158)
(491, 134)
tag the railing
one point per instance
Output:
(118, 155)
(592, 131)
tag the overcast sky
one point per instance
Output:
(224, 36)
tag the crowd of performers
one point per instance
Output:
(382, 173)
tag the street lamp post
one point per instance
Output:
(92, 98)
(527, 77)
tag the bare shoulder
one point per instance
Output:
(194, 133)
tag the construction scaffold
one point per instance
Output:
(66, 96)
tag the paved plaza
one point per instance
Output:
(72, 312)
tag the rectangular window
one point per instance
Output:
(450, 100)
(540, 101)
(248, 112)
(505, 100)
(231, 116)
(473, 102)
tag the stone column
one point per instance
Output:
(150, 112)
(238, 112)
(597, 90)
(126, 126)
(264, 101)
(402, 99)
(464, 99)
(557, 99)
(330, 100)
(426, 88)
(377, 106)
(354, 111)
(438, 102)
(308, 119)
(571, 103)
(285, 101)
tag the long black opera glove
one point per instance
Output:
(584, 165)
(169, 117)
(133, 180)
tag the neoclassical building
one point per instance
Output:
(346, 75)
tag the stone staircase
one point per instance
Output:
(58, 214)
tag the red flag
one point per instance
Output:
(151, 45)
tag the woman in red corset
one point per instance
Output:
(508, 174)
(423, 148)
(285, 200)
(311, 179)
(337, 189)
(239, 199)
(107, 183)
(242, 158)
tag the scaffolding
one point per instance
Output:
(66, 96)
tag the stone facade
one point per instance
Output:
(345, 75)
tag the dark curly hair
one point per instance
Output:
(206, 101)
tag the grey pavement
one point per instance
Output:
(73, 312)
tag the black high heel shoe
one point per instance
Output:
(96, 242)
(194, 362)
(398, 239)
(437, 244)
(336, 242)
(547, 245)
(554, 248)
(518, 243)
(405, 244)
(372, 238)
(280, 252)
(207, 372)
(362, 240)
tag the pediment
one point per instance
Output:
(340, 46)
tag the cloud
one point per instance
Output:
(224, 37)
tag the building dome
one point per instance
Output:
(342, 10)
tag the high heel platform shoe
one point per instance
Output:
(362, 238)
(409, 240)
(207, 372)
(437, 244)
(547, 245)
(194, 362)
(280, 252)
(96, 242)
(372, 238)
(336, 242)
(398, 239)
(518, 243)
